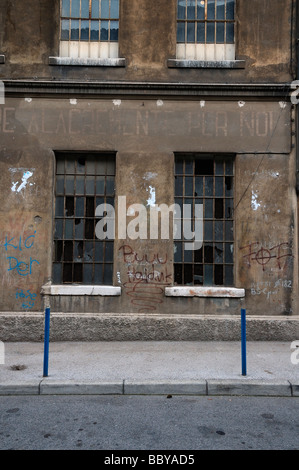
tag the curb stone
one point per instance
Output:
(188, 387)
(249, 388)
(26, 388)
(50, 387)
(282, 388)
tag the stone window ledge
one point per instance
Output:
(117, 62)
(2, 59)
(193, 291)
(207, 64)
(51, 289)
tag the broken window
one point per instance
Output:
(206, 180)
(89, 28)
(206, 30)
(83, 182)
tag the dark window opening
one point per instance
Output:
(207, 180)
(83, 181)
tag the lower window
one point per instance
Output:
(83, 182)
(206, 180)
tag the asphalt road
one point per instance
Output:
(152, 423)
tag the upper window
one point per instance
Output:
(89, 29)
(206, 30)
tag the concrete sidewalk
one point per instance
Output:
(150, 367)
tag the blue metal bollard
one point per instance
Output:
(46, 342)
(243, 341)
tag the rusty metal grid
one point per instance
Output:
(206, 21)
(83, 182)
(206, 180)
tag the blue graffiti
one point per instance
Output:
(27, 295)
(28, 242)
(22, 268)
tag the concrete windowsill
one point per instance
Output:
(117, 62)
(208, 64)
(193, 291)
(2, 59)
(50, 289)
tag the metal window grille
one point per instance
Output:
(207, 180)
(206, 21)
(83, 182)
(89, 20)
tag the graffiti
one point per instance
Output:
(23, 268)
(27, 304)
(276, 257)
(146, 278)
(269, 288)
(130, 256)
(17, 245)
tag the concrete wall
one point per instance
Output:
(146, 134)
(145, 126)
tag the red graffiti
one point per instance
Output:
(262, 256)
(146, 280)
(131, 256)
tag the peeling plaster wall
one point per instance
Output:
(145, 132)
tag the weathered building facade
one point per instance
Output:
(115, 110)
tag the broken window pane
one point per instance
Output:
(218, 208)
(79, 226)
(229, 276)
(75, 242)
(218, 253)
(198, 274)
(90, 207)
(219, 275)
(68, 251)
(78, 252)
(67, 274)
(217, 229)
(188, 277)
(78, 273)
(69, 206)
(89, 252)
